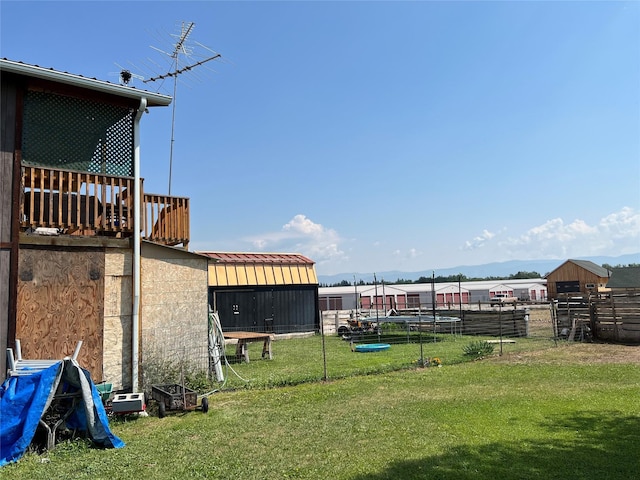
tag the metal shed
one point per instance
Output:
(264, 292)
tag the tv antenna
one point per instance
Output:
(180, 48)
(126, 75)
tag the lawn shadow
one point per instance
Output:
(600, 448)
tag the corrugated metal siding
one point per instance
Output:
(248, 269)
(280, 309)
(269, 276)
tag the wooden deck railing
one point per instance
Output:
(166, 219)
(81, 203)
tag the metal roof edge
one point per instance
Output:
(592, 267)
(211, 254)
(175, 249)
(153, 99)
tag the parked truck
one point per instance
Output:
(502, 298)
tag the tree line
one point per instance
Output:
(440, 279)
(522, 275)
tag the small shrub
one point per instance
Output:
(390, 327)
(199, 381)
(160, 368)
(478, 349)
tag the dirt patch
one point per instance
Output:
(575, 352)
(540, 315)
(580, 353)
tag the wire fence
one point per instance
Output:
(348, 343)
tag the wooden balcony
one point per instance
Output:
(165, 219)
(89, 204)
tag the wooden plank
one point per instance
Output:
(631, 327)
(572, 335)
(61, 301)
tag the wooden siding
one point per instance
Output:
(569, 272)
(60, 301)
(8, 231)
(5, 299)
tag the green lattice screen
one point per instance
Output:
(77, 134)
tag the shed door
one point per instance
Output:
(402, 302)
(568, 287)
(237, 309)
(390, 302)
(61, 301)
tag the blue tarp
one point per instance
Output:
(25, 398)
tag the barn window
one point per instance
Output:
(568, 287)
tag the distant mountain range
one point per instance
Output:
(496, 269)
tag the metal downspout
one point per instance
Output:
(135, 319)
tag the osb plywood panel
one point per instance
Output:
(117, 351)
(164, 274)
(60, 301)
(117, 330)
(118, 295)
(118, 262)
(174, 310)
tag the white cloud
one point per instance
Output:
(479, 241)
(303, 226)
(615, 234)
(409, 254)
(625, 223)
(302, 235)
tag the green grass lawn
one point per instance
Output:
(302, 360)
(552, 416)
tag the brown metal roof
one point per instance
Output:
(281, 258)
(228, 269)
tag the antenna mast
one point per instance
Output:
(179, 48)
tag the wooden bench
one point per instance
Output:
(244, 338)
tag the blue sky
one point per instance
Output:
(376, 136)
